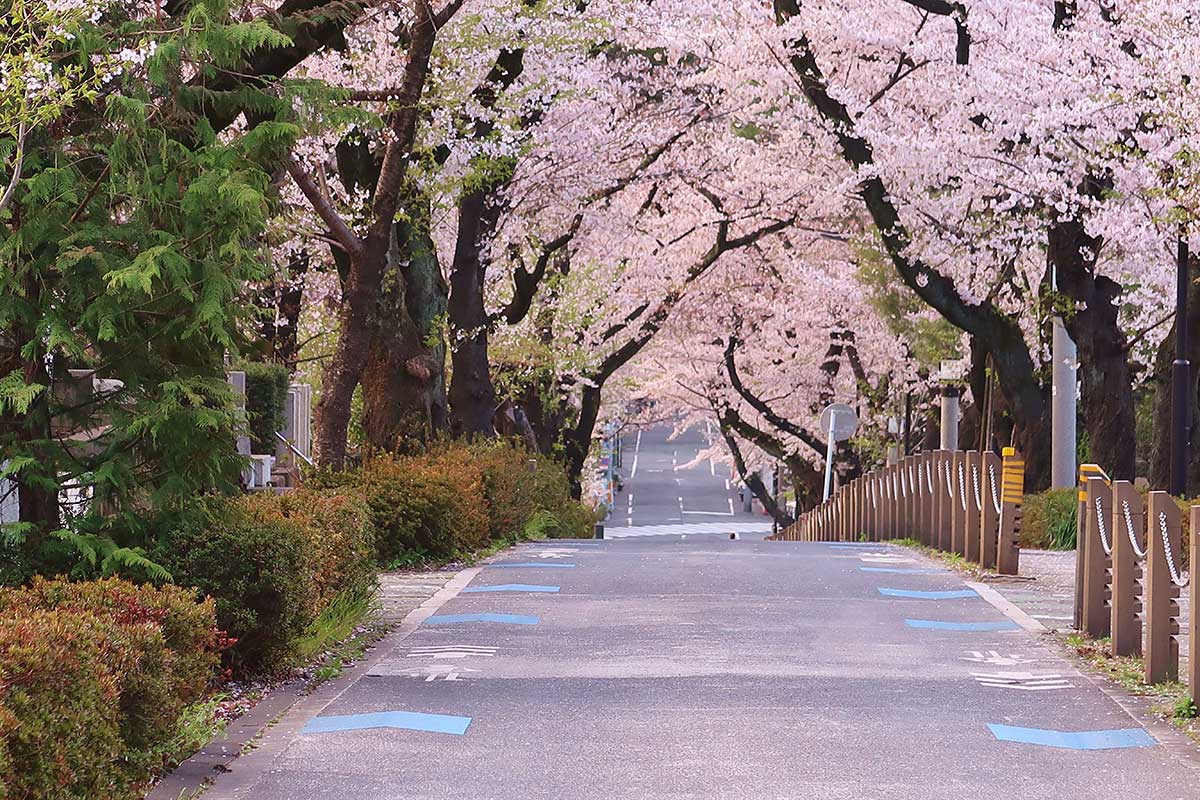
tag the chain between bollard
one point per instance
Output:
(995, 494)
(929, 476)
(975, 480)
(949, 480)
(1141, 554)
(1166, 540)
(1103, 532)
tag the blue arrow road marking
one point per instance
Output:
(950, 595)
(527, 564)
(1083, 740)
(938, 625)
(511, 587)
(510, 619)
(405, 720)
(899, 571)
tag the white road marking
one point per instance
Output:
(637, 446)
(994, 657)
(718, 528)
(727, 484)
(452, 651)
(1025, 681)
(710, 513)
(730, 499)
(712, 468)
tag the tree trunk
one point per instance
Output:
(404, 385)
(472, 396)
(1106, 383)
(342, 374)
(1160, 448)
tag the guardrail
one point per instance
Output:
(1131, 557)
(962, 502)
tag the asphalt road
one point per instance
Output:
(669, 490)
(701, 667)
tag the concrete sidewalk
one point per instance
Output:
(703, 667)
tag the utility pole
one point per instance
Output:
(1062, 409)
(908, 423)
(1181, 396)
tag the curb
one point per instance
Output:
(1006, 607)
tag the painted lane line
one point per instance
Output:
(507, 619)
(914, 595)
(901, 571)
(994, 657)
(524, 564)
(1081, 740)
(511, 587)
(1007, 608)
(941, 625)
(637, 446)
(1024, 681)
(403, 720)
(730, 499)
(452, 651)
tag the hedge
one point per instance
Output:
(272, 563)
(93, 677)
(461, 497)
(266, 395)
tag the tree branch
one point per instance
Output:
(341, 232)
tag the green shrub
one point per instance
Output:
(1048, 520)
(273, 563)
(266, 395)
(93, 677)
(253, 565)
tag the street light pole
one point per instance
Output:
(1181, 400)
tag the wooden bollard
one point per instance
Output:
(974, 499)
(1193, 614)
(1128, 527)
(1096, 617)
(1083, 538)
(942, 489)
(989, 516)
(1008, 542)
(958, 533)
(929, 518)
(1162, 593)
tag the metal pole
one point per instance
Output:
(1180, 378)
(1062, 410)
(949, 418)
(829, 456)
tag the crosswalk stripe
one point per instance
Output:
(726, 528)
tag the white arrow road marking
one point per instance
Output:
(994, 657)
(1025, 681)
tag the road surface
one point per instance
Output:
(695, 666)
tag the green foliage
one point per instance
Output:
(96, 676)
(129, 239)
(273, 564)
(931, 340)
(1048, 520)
(253, 568)
(266, 394)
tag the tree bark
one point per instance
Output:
(472, 395)
(1106, 381)
(1159, 460)
(752, 479)
(404, 385)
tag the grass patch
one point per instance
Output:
(1171, 700)
(335, 623)
(952, 560)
